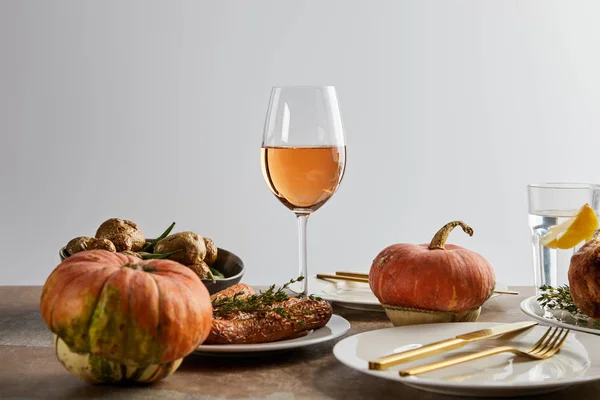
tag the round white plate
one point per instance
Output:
(336, 327)
(501, 375)
(355, 295)
(531, 307)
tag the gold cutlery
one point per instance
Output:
(364, 278)
(447, 345)
(506, 292)
(352, 274)
(343, 278)
(546, 347)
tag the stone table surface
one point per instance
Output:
(29, 369)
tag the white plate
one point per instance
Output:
(355, 295)
(336, 327)
(564, 319)
(500, 375)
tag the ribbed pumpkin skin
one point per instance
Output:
(95, 369)
(126, 310)
(413, 276)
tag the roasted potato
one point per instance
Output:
(78, 244)
(193, 248)
(125, 235)
(201, 269)
(102, 244)
(211, 251)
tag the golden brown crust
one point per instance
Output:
(102, 244)
(191, 244)
(125, 235)
(211, 251)
(200, 269)
(241, 289)
(122, 241)
(78, 244)
(584, 277)
(243, 328)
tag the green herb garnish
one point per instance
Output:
(558, 299)
(257, 303)
(260, 303)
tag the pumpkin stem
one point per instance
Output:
(439, 240)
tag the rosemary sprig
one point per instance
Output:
(558, 299)
(260, 303)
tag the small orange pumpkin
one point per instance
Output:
(432, 277)
(118, 318)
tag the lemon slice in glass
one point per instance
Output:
(573, 231)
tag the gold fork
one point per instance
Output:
(546, 347)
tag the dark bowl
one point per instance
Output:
(227, 263)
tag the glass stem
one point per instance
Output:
(302, 286)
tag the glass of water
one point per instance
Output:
(551, 204)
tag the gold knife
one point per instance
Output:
(448, 344)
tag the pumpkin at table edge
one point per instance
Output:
(118, 318)
(435, 282)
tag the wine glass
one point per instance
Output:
(303, 154)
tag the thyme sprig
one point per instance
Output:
(558, 299)
(259, 303)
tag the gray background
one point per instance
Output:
(153, 111)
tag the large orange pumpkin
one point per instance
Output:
(119, 318)
(432, 277)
